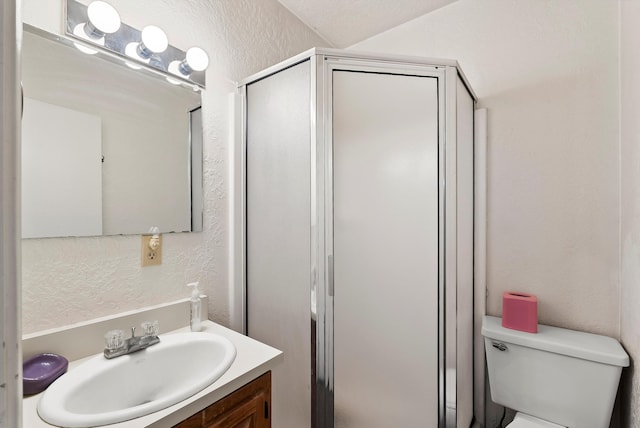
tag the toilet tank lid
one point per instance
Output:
(587, 346)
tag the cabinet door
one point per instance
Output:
(249, 414)
(194, 421)
(248, 407)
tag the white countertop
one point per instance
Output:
(252, 360)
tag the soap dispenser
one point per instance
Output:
(195, 307)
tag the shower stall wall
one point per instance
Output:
(358, 238)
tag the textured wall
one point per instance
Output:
(630, 195)
(67, 280)
(546, 70)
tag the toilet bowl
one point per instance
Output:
(554, 378)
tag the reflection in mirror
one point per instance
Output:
(106, 149)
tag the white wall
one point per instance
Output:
(547, 72)
(630, 213)
(68, 280)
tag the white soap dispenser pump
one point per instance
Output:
(195, 307)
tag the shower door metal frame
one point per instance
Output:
(322, 240)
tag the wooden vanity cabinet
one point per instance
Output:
(248, 407)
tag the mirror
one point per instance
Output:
(107, 150)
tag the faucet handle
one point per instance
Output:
(149, 328)
(114, 339)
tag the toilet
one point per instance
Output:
(557, 378)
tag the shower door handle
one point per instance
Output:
(330, 275)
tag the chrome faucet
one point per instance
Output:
(116, 345)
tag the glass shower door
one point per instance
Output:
(278, 234)
(385, 249)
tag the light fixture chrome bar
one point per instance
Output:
(116, 43)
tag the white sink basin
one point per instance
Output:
(100, 391)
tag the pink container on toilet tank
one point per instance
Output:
(520, 311)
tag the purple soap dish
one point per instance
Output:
(40, 371)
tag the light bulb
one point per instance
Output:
(173, 81)
(85, 49)
(78, 30)
(131, 50)
(174, 68)
(132, 65)
(103, 19)
(154, 39)
(197, 59)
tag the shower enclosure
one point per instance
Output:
(358, 238)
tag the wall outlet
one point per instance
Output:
(151, 256)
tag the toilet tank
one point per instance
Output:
(563, 376)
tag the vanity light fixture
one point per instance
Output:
(98, 28)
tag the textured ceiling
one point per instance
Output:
(345, 22)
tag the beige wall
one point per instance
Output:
(69, 280)
(547, 72)
(630, 212)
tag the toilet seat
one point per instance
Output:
(526, 421)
